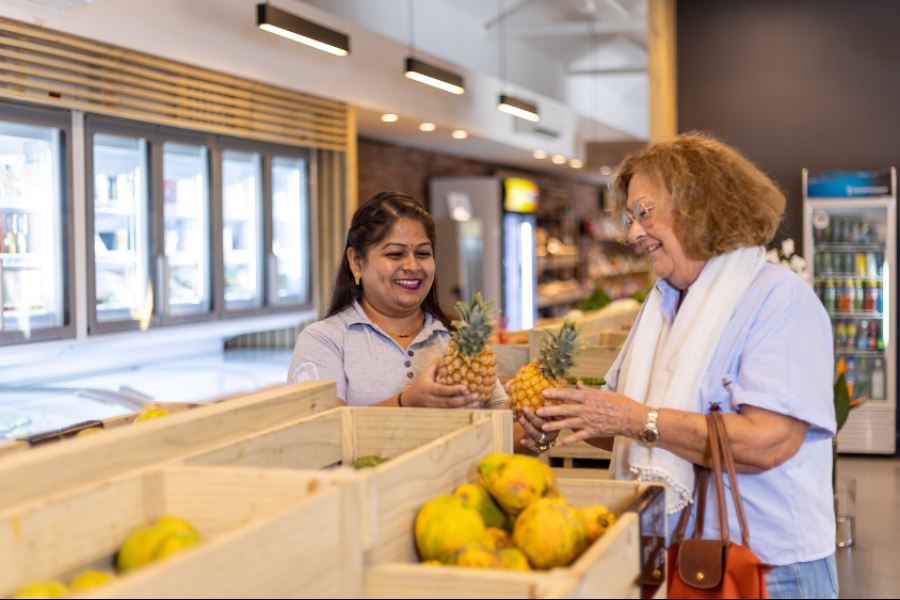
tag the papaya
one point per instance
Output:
(476, 556)
(551, 534)
(516, 482)
(479, 498)
(514, 559)
(497, 539)
(90, 580)
(598, 519)
(445, 524)
(42, 589)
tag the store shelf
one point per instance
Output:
(823, 276)
(558, 299)
(850, 247)
(123, 210)
(855, 315)
(857, 352)
(30, 260)
(123, 257)
(630, 270)
(558, 262)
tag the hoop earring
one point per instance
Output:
(356, 275)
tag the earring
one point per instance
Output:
(357, 278)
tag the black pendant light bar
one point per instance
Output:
(434, 76)
(519, 108)
(275, 20)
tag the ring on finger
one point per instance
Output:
(543, 438)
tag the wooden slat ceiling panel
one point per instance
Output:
(64, 70)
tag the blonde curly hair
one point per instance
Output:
(722, 200)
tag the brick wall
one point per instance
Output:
(384, 166)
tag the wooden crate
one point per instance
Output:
(402, 436)
(58, 467)
(266, 534)
(610, 568)
(22, 445)
(581, 450)
(511, 358)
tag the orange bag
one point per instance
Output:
(699, 568)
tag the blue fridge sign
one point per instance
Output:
(849, 184)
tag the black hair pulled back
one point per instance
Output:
(371, 225)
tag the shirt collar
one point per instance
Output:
(669, 302)
(355, 315)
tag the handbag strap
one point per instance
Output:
(701, 481)
(716, 452)
(725, 445)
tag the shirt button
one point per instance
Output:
(410, 375)
(411, 353)
(407, 364)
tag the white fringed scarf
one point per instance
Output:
(664, 369)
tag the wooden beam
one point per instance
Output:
(661, 55)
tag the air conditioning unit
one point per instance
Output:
(63, 3)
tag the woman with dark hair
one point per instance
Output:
(385, 332)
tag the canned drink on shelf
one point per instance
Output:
(871, 266)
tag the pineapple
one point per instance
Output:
(549, 370)
(468, 359)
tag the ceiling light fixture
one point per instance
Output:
(576, 164)
(539, 154)
(510, 104)
(519, 108)
(558, 159)
(390, 118)
(459, 134)
(427, 127)
(423, 72)
(277, 21)
(434, 76)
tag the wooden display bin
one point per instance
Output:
(40, 440)
(399, 488)
(58, 467)
(266, 534)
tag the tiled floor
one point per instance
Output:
(871, 568)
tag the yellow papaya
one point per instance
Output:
(445, 524)
(598, 519)
(516, 482)
(479, 498)
(551, 534)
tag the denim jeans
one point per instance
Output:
(816, 579)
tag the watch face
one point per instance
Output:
(649, 436)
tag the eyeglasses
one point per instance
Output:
(618, 228)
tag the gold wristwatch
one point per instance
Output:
(650, 433)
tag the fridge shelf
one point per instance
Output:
(850, 247)
(854, 315)
(124, 210)
(14, 203)
(22, 261)
(840, 352)
(842, 276)
(116, 258)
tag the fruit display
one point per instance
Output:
(149, 543)
(88, 580)
(468, 359)
(550, 369)
(366, 462)
(539, 530)
(149, 415)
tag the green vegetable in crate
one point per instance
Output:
(599, 299)
(42, 589)
(592, 381)
(367, 461)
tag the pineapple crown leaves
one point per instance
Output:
(472, 332)
(559, 349)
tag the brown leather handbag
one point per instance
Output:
(701, 568)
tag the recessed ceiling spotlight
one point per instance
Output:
(285, 24)
(605, 171)
(539, 154)
(390, 118)
(558, 159)
(459, 134)
(427, 127)
(576, 164)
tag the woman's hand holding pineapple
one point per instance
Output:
(426, 392)
(531, 424)
(592, 414)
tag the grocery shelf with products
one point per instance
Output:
(851, 240)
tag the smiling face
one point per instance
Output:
(659, 239)
(398, 272)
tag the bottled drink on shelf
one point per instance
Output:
(872, 342)
(820, 290)
(879, 379)
(851, 335)
(862, 339)
(838, 235)
(847, 299)
(863, 378)
(827, 233)
(879, 305)
(860, 264)
(871, 266)
(879, 339)
(851, 376)
(828, 296)
(855, 231)
(847, 231)
(840, 335)
(858, 296)
(825, 265)
(879, 265)
(867, 297)
(874, 295)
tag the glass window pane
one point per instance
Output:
(186, 224)
(290, 231)
(31, 250)
(242, 229)
(121, 244)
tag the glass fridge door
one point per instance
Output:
(519, 271)
(122, 291)
(32, 273)
(185, 270)
(242, 229)
(289, 261)
(851, 276)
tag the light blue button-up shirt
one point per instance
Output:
(777, 354)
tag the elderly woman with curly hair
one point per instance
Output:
(722, 327)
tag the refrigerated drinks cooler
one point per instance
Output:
(850, 233)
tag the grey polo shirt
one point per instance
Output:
(367, 364)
